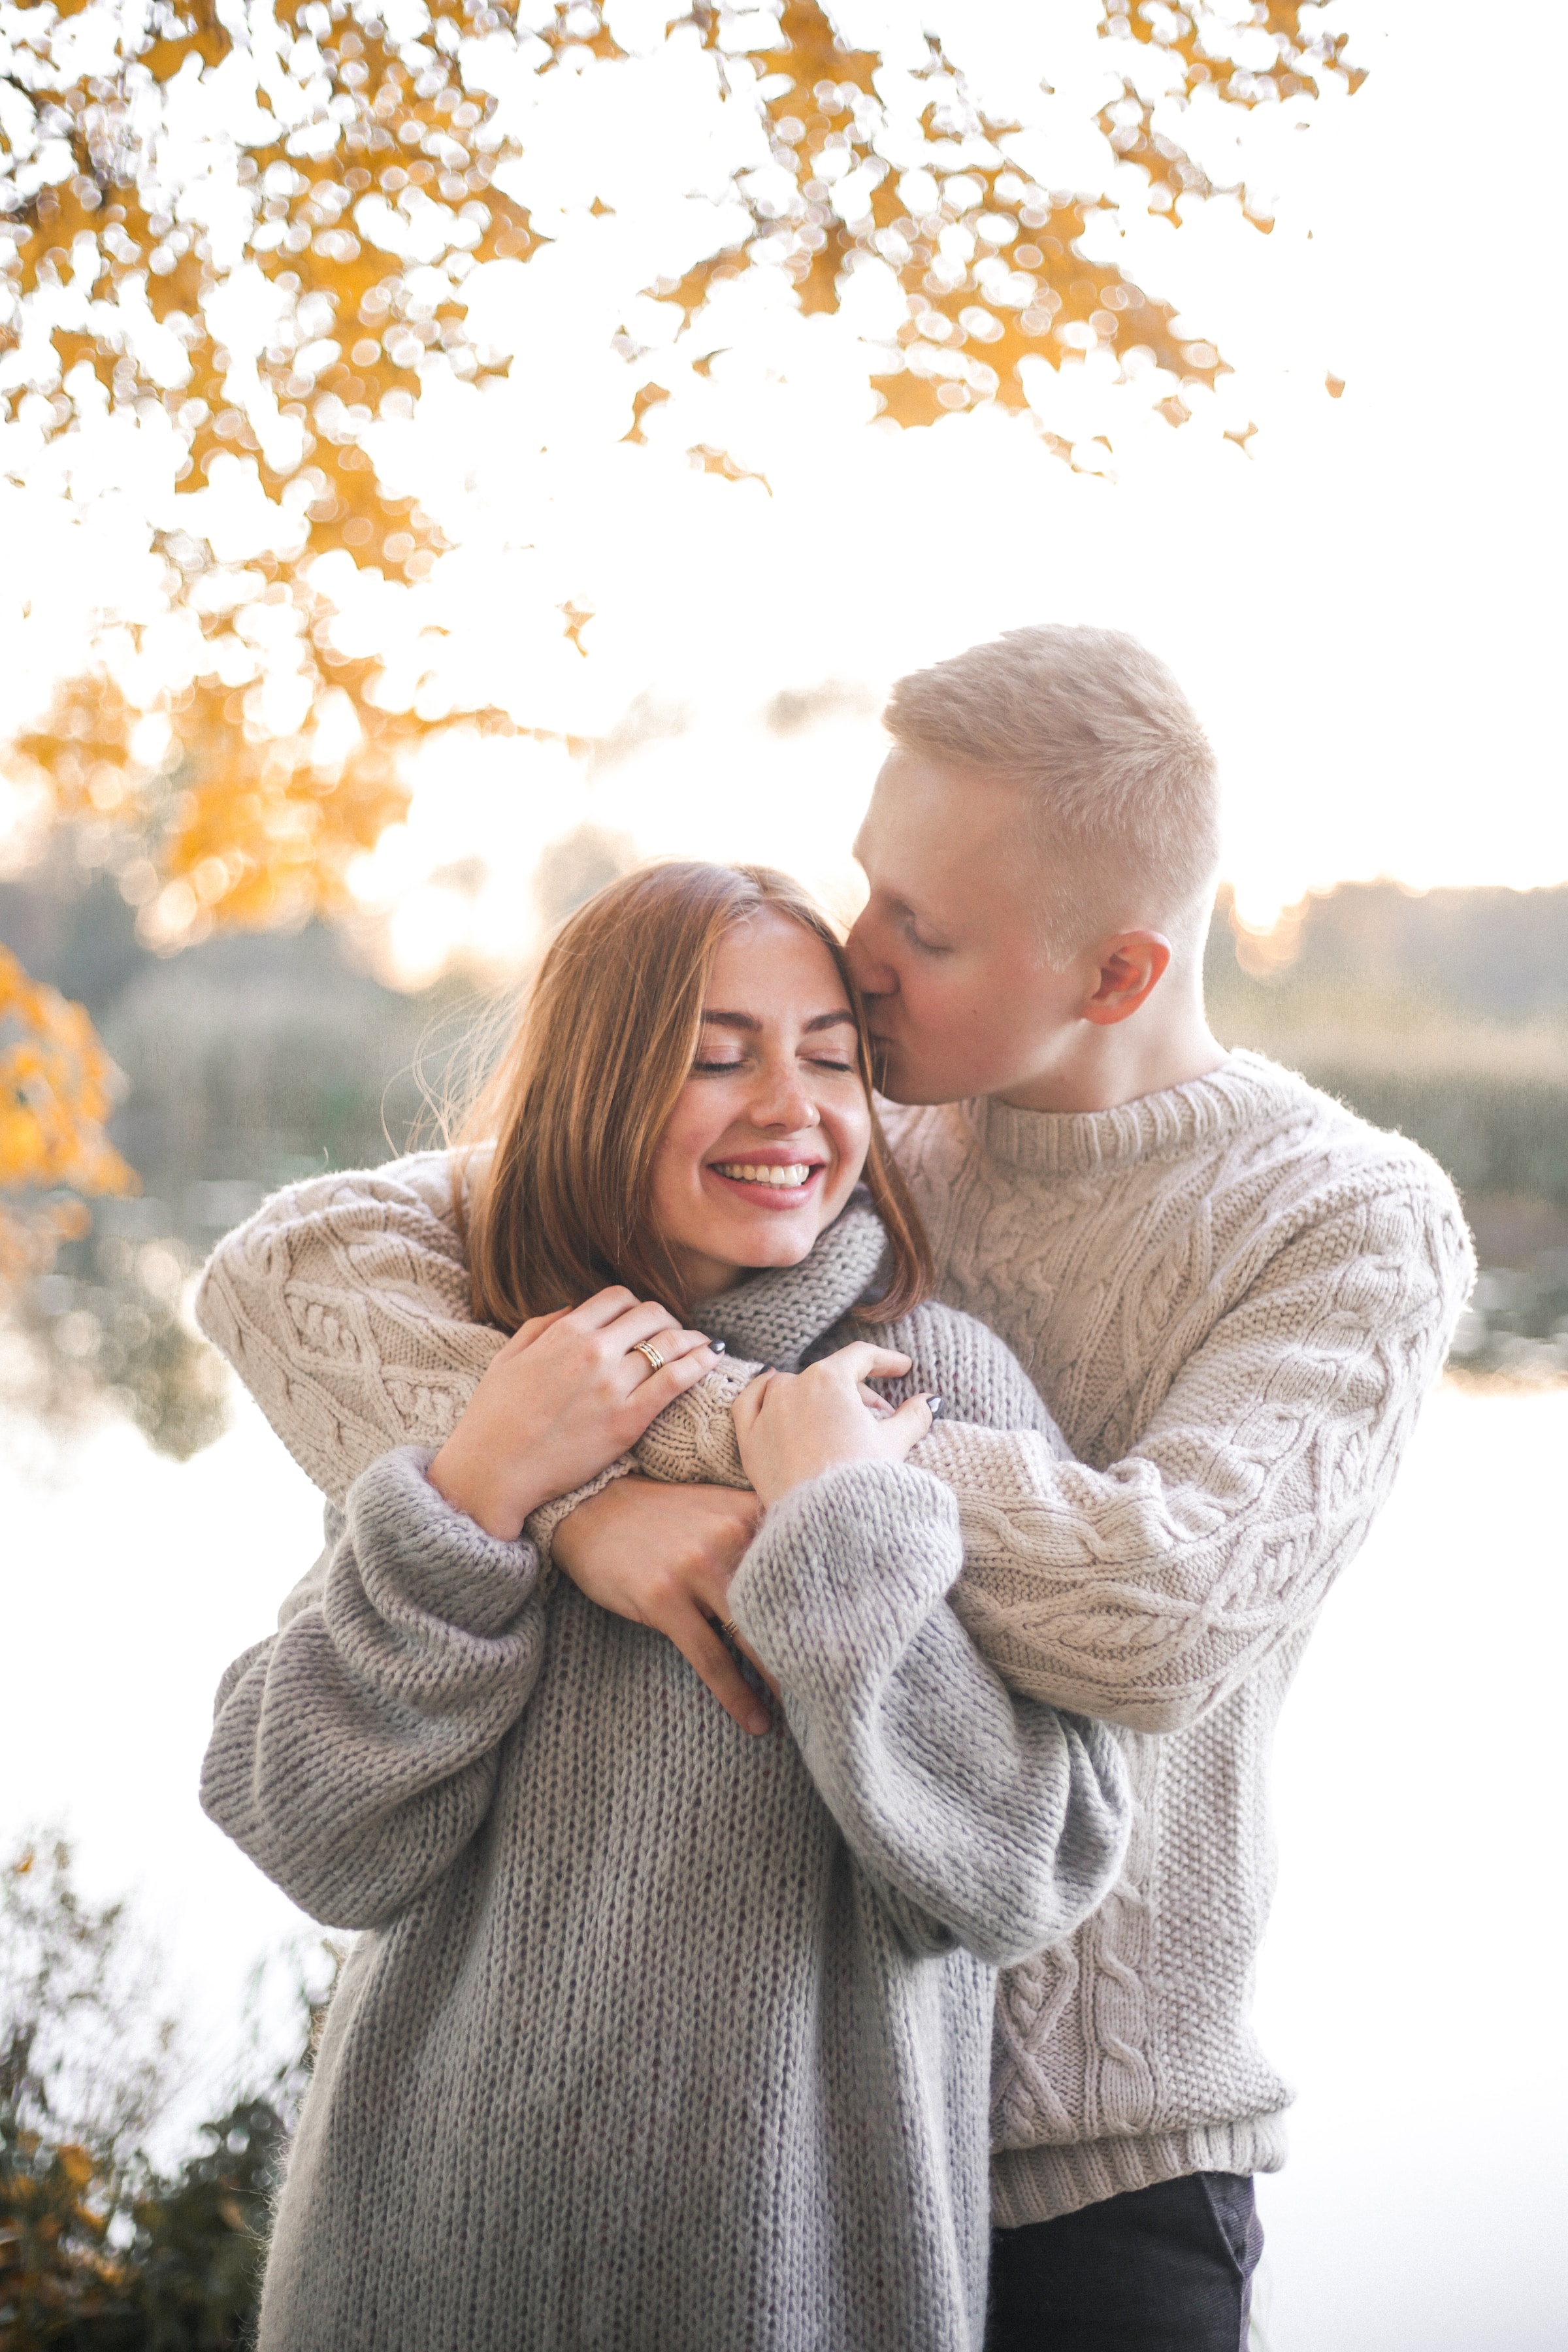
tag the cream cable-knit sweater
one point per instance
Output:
(659, 2038)
(1234, 1297)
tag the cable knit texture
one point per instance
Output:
(656, 2035)
(1234, 1297)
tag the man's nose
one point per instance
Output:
(870, 974)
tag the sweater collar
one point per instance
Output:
(772, 1317)
(1246, 1090)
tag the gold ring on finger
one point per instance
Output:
(645, 1348)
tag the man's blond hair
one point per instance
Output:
(1123, 788)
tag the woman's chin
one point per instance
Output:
(767, 1239)
(775, 1248)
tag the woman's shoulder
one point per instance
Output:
(961, 1359)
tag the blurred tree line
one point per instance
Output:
(245, 1062)
(1443, 1014)
(253, 1058)
(100, 2249)
(241, 246)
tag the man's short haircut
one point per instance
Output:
(1121, 778)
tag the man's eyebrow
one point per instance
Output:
(749, 1021)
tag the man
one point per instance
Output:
(1232, 1294)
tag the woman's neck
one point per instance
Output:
(709, 1277)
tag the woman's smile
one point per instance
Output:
(770, 1179)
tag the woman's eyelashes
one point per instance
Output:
(814, 1061)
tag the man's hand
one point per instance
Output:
(663, 1556)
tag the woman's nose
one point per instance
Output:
(782, 1101)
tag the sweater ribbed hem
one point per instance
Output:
(1245, 1089)
(1040, 2184)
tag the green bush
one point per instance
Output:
(101, 2251)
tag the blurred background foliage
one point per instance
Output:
(102, 2249)
(254, 235)
(249, 236)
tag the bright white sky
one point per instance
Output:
(1362, 609)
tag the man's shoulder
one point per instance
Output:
(1256, 1154)
(421, 1186)
(1322, 1144)
(1253, 1123)
(394, 1227)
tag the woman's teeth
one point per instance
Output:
(794, 1176)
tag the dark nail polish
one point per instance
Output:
(933, 1406)
(719, 1347)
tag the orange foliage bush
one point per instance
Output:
(54, 1096)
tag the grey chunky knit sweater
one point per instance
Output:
(656, 2036)
(1234, 1297)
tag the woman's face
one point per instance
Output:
(770, 1132)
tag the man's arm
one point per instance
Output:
(1144, 1593)
(343, 1305)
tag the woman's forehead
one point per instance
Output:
(769, 963)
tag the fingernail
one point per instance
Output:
(719, 1347)
(933, 1406)
(757, 1723)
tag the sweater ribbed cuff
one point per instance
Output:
(414, 1552)
(1041, 2184)
(542, 1524)
(844, 1571)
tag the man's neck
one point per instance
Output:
(1100, 1068)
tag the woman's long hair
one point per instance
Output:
(577, 1105)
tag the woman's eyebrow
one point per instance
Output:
(749, 1021)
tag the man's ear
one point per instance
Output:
(1132, 965)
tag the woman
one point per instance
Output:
(657, 2036)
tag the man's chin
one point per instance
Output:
(900, 1079)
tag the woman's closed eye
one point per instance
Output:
(739, 1061)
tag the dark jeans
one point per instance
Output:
(1167, 2269)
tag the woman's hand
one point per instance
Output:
(567, 1394)
(792, 1426)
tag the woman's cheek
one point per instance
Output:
(851, 1140)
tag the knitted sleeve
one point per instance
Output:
(993, 1817)
(343, 1305)
(1144, 1593)
(354, 1753)
(977, 1375)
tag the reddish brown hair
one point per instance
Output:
(579, 1101)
